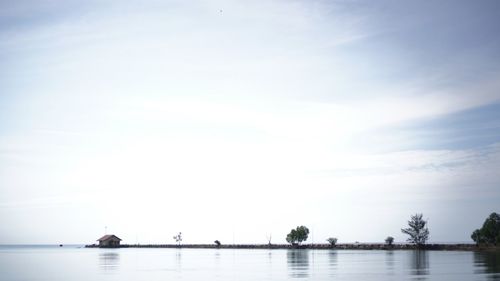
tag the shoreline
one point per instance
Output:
(350, 246)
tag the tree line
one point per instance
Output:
(417, 231)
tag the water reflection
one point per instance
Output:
(178, 259)
(109, 260)
(389, 261)
(420, 264)
(298, 263)
(332, 262)
(488, 263)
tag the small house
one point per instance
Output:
(110, 241)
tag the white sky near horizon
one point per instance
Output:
(234, 120)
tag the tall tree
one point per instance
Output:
(417, 230)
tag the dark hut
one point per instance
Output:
(109, 241)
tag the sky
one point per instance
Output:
(240, 120)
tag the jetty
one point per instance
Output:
(344, 246)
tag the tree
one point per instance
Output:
(178, 238)
(490, 232)
(477, 237)
(389, 240)
(269, 239)
(297, 235)
(417, 230)
(332, 241)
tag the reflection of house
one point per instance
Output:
(109, 241)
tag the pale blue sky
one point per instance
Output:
(231, 120)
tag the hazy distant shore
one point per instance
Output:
(349, 246)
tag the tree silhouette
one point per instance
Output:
(490, 232)
(297, 235)
(389, 240)
(417, 230)
(178, 238)
(332, 241)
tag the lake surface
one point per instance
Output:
(30, 263)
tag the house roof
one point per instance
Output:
(107, 237)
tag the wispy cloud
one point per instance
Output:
(475, 127)
(357, 103)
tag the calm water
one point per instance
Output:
(72, 263)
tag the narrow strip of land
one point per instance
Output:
(349, 246)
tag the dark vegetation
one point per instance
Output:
(489, 233)
(417, 230)
(297, 235)
(389, 240)
(332, 241)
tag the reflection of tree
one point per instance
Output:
(298, 263)
(420, 262)
(332, 261)
(178, 259)
(389, 259)
(109, 260)
(488, 262)
(332, 258)
(217, 257)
